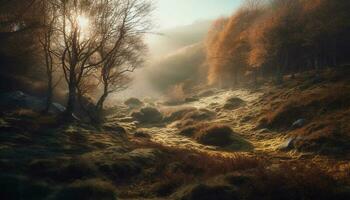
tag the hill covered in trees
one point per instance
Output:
(276, 38)
(255, 106)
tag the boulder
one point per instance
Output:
(221, 136)
(233, 103)
(215, 135)
(19, 99)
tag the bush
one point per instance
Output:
(217, 135)
(148, 115)
(178, 114)
(233, 103)
(133, 103)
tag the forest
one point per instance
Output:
(142, 99)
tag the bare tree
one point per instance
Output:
(46, 39)
(102, 44)
(128, 54)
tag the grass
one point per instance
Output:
(325, 106)
(15, 187)
(292, 180)
(92, 189)
(76, 161)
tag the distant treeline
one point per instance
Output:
(278, 37)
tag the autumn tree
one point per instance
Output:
(228, 51)
(280, 37)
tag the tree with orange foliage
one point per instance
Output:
(228, 48)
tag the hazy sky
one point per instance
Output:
(170, 13)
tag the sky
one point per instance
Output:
(172, 13)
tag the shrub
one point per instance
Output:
(148, 115)
(133, 103)
(215, 135)
(233, 103)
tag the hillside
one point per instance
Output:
(276, 142)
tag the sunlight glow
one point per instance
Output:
(83, 22)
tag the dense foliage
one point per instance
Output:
(278, 37)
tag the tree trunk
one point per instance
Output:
(72, 94)
(49, 95)
(100, 104)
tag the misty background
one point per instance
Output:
(177, 50)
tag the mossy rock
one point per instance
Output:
(222, 136)
(148, 115)
(233, 103)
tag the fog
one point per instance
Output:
(173, 54)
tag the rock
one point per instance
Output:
(221, 136)
(205, 192)
(290, 143)
(233, 103)
(298, 124)
(19, 99)
(287, 145)
(134, 103)
(148, 115)
(57, 108)
(215, 135)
